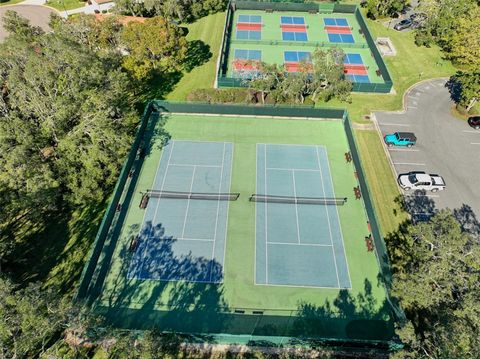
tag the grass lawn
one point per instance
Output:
(411, 65)
(381, 180)
(209, 30)
(9, 2)
(62, 5)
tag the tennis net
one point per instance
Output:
(193, 195)
(297, 200)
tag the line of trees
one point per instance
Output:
(176, 10)
(321, 77)
(68, 114)
(453, 25)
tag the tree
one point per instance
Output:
(464, 44)
(469, 88)
(154, 46)
(436, 277)
(328, 79)
(268, 78)
(442, 19)
(30, 319)
(87, 30)
(381, 8)
(320, 77)
(173, 10)
(19, 26)
(66, 123)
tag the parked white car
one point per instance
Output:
(421, 181)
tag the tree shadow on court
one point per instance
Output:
(346, 317)
(156, 136)
(164, 286)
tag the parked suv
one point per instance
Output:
(400, 139)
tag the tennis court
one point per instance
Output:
(355, 69)
(187, 249)
(287, 37)
(184, 238)
(301, 243)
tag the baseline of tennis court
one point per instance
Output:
(184, 239)
(297, 244)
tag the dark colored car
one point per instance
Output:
(400, 139)
(404, 24)
(474, 121)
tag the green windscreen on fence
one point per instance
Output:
(105, 226)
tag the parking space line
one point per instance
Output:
(395, 124)
(422, 195)
(408, 107)
(403, 149)
(471, 131)
(409, 163)
(475, 143)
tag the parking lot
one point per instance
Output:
(445, 145)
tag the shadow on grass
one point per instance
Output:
(54, 252)
(159, 84)
(198, 53)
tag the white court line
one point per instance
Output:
(300, 286)
(218, 209)
(228, 208)
(301, 244)
(402, 149)
(188, 201)
(409, 163)
(266, 217)
(256, 204)
(328, 217)
(342, 242)
(395, 124)
(296, 206)
(190, 165)
(290, 169)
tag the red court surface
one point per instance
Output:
(248, 26)
(338, 29)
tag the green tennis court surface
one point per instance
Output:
(203, 256)
(298, 244)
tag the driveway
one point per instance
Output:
(38, 16)
(445, 145)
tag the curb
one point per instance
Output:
(407, 92)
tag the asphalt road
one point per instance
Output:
(38, 16)
(445, 145)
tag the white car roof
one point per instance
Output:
(422, 177)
